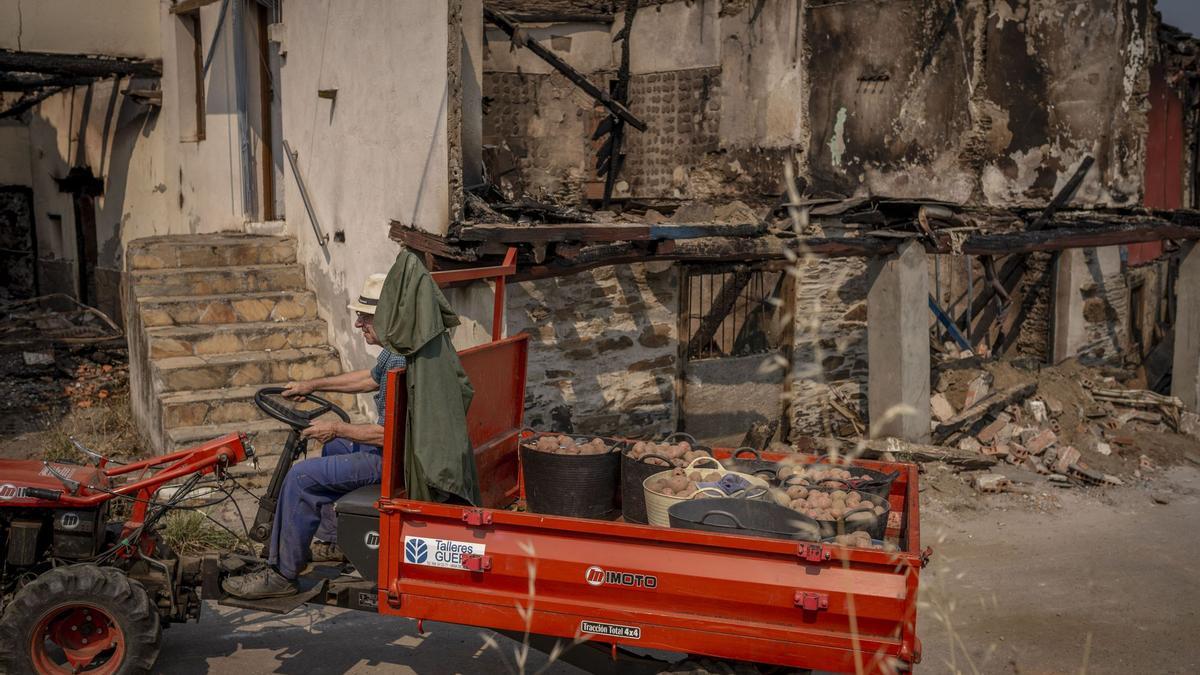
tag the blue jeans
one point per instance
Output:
(305, 506)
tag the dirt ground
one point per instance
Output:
(1065, 581)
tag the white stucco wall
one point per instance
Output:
(376, 153)
(111, 27)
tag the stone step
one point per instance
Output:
(182, 310)
(188, 281)
(192, 373)
(210, 250)
(208, 339)
(267, 436)
(222, 406)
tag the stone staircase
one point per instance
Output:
(211, 319)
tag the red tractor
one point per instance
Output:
(82, 594)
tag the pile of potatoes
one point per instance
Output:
(681, 483)
(681, 453)
(863, 540)
(817, 474)
(828, 504)
(565, 445)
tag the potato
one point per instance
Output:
(696, 476)
(667, 492)
(712, 476)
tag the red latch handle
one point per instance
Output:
(811, 602)
(813, 552)
(477, 517)
(477, 563)
(393, 594)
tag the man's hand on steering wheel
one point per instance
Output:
(323, 431)
(295, 390)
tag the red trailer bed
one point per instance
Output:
(618, 584)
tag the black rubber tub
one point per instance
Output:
(876, 482)
(580, 486)
(634, 473)
(862, 519)
(751, 517)
(749, 460)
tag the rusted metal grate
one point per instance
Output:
(731, 311)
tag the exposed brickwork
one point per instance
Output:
(682, 109)
(544, 121)
(603, 352)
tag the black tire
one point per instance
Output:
(128, 608)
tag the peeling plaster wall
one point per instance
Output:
(603, 349)
(379, 151)
(1011, 99)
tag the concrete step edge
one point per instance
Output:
(177, 362)
(211, 328)
(167, 299)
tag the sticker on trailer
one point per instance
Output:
(64, 470)
(439, 552)
(9, 491)
(368, 600)
(610, 630)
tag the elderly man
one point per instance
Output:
(350, 459)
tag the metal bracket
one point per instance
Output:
(813, 552)
(477, 517)
(477, 563)
(811, 602)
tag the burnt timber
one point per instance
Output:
(582, 246)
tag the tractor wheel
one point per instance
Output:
(80, 619)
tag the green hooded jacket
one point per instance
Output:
(413, 319)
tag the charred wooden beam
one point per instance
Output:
(77, 64)
(430, 243)
(186, 6)
(558, 17)
(37, 81)
(504, 23)
(597, 232)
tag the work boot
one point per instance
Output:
(326, 551)
(265, 583)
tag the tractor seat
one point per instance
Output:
(360, 502)
(358, 529)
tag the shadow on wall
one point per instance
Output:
(99, 128)
(603, 350)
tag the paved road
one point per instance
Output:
(1106, 581)
(326, 640)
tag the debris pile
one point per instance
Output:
(1070, 424)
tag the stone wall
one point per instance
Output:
(831, 343)
(603, 349)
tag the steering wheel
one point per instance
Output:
(294, 417)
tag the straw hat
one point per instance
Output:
(369, 298)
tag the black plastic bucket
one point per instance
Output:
(755, 465)
(864, 519)
(751, 517)
(876, 483)
(634, 473)
(580, 486)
